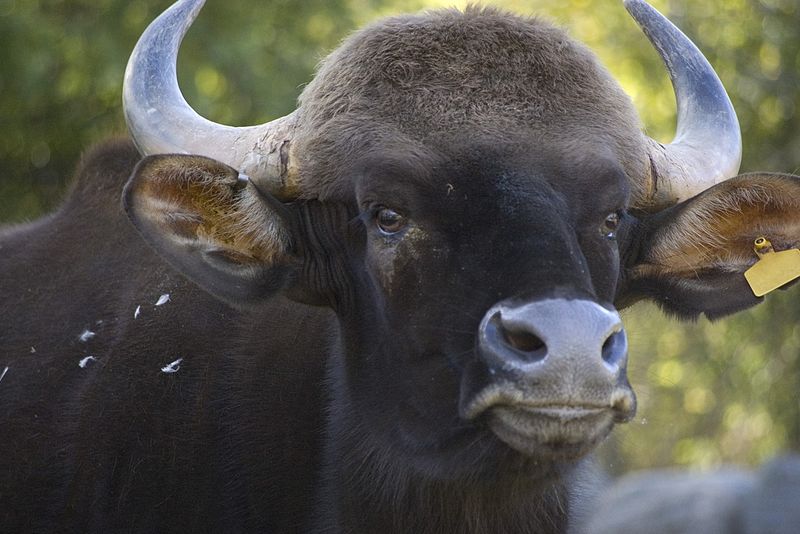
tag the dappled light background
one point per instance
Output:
(709, 394)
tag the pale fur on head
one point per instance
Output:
(420, 81)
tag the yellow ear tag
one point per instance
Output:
(773, 269)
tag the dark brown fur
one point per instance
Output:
(78, 443)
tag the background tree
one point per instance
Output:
(709, 393)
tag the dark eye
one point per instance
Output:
(610, 225)
(389, 221)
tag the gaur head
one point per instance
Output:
(471, 193)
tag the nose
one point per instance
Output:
(559, 343)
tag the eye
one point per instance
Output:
(389, 221)
(610, 225)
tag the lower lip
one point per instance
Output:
(529, 419)
(565, 429)
(564, 413)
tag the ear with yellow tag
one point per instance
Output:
(697, 257)
(773, 269)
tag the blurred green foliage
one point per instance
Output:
(709, 393)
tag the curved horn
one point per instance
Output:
(707, 148)
(161, 121)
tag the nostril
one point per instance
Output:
(527, 346)
(523, 341)
(615, 348)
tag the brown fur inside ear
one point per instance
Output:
(716, 229)
(200, 200)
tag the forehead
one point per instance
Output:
(413, 80)
(456, 68)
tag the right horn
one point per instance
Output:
(707, 148)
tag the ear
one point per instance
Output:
(691, 258)
(212, 225)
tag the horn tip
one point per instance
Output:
(638, 8)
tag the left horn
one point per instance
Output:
(707, 148)
(161, 121)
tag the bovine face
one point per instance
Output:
(444, 241)
(493, 156)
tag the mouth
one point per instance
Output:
(560, 430)
(552, 431)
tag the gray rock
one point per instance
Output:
(727, 501)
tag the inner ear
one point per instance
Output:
(212, 225)
(718, 228)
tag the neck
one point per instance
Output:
(409, 504)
